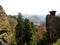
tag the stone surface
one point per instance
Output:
(53, 27)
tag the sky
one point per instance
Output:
(30, 6)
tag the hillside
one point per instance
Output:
(7, 26)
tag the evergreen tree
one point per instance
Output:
(32, 24)
(33, 27)
(20, 30)
(28, 31)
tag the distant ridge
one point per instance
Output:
(37, 19)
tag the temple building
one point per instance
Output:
(52, 13)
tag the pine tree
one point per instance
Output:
(33, 27)
(20, 30)
(28, 31)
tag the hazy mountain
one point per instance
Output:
(37, 19)
(58, 14)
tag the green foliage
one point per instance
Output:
(20, 38)
(28, 31)
(57, 42)
(24, 31)
(1, 7)
(13, 42)
(27, 24)
(19, 19)
(42, 40)
(33, 26)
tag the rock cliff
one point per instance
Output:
(7, 26)
(53, 27)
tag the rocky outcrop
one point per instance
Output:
(7, 26)
(53, 27)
